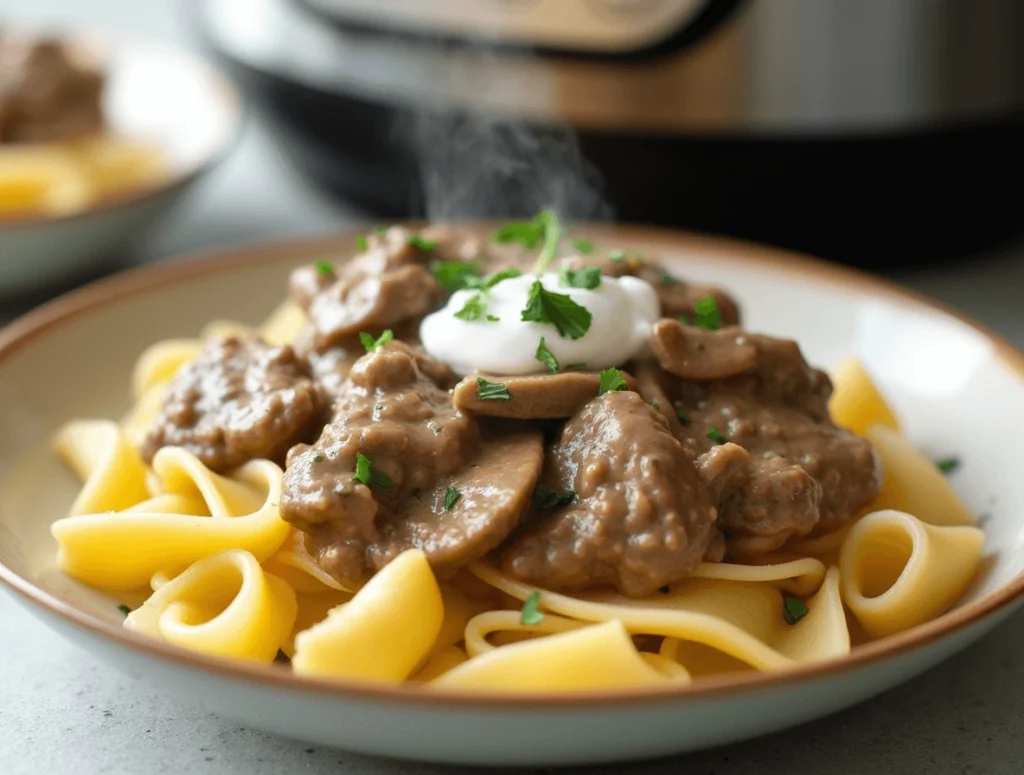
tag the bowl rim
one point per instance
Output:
(107, 40)
(138, 281)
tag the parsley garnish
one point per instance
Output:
(588, 277)
(583, 246)
(545, 356)
(666, 279)
(325, 268)
(491, 391)
(372, 344)
(451, 497)
(318, 458)
(684, 320)
(544, 498)
(530, 614)
(682, 417)
(716, 436)
(475, 310)
(579, 366)
(544, 230)
(544, 306)
(456, 275)
(617, 255)
(612, 379)
(657, 406)
(504, 274)
(948, 465)
(707, 314)
(380, 231)
(422, 243)
(793, 609)
(124, 609)
(362, 244)
(367, 474)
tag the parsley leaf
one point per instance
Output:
(793, 609)
(948, 465)
(530, 614)
(318, 458)
(666, 279)
(372, 344)
(456, 275)
(362, 244)
(577, 366)
(124, 609)
(707, 314)
(588, 277)
(475, 310)
(367, 474)
(716, 436)
(380, 231)
(583, 246)
(422, 243)
(504, 274)
(544, 306)
(325, 268)
(682, 417)
(543, 229)
(611, 380)
(544, 498)
(545, 356)
(491, 391)
(451, 497)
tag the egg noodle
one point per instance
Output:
(229, 577)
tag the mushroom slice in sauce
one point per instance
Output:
(395, 410)
(693, 353)
(532, 397)
(641, 518)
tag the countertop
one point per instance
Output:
(63, 711)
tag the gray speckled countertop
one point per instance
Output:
(63, 711)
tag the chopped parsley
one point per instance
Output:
(793, 609)
(542, 230)
(362, 244)
(611, 380)
(124, 609)
(491, 391)
(545, 499)
(325, 268)
(530, 614)
(475, 310)
(682, 417)
(666, 279)
(544, 306)
(318, 458)
(545, 356)
(457, 275)
(948, 465)
(684, 320)
(617, 255)
(372, 344)
(588, 277)
(716, 436)
(428, 245)
(657, 406)
(707, 314)
(451, 497)
(583, 246)
(504, 274)
(579, 366)
(368, 475)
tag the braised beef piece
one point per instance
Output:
(388, 285)
(240, 399)
(788, 470)
(395, 409)
(531, 397)
(677, 297)
(47, 93)
(641, 517)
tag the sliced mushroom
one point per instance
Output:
(532, 397)
(694, 353)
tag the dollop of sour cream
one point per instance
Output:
(622, 312)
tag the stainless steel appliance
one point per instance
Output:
(873, 131)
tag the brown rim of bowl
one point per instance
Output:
(227, 95)
(65, 309)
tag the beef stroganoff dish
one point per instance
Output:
(521, 463)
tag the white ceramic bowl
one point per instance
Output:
(154, 93)
(958, 389)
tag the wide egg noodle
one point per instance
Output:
(113, 474)
(299, 568)
(225, 605)
(898, 571)
(124, 549)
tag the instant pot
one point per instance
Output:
(870, 131)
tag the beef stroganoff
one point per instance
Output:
(520, 464)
